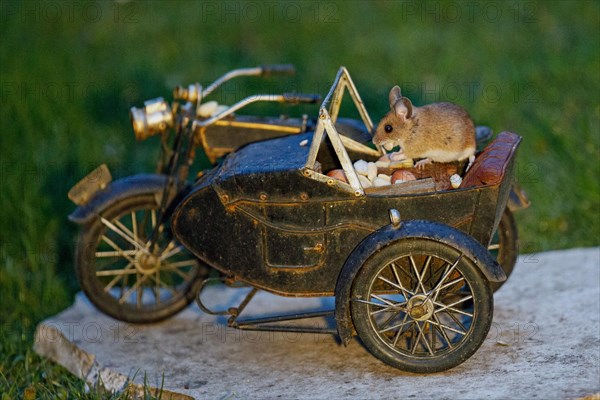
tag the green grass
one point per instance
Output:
(69, 74)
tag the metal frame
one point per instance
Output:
(264, 323)
(328, 114)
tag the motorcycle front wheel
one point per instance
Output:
(126, 276)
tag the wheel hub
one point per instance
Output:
(420, 308)
(147, 263)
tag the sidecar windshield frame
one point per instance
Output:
(328, 114)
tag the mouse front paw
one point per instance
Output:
(422, 163)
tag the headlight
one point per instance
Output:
(154, 118)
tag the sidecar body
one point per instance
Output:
(266, 218)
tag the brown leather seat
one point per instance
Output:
(489, 166)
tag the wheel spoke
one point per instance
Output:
(156, 288)
(179, 264)
(139, 281)
(139, 294)
(400, 330)
(385, 306)
(183, 275)
(134, 226)
(116, 279)
(153, 217)
(416, 342)
(118, 272)
(455, 281)
(124, 283)
(112, 283)
(422, 334)
(160, 283)
(399, 287)
(115, 254)
(447, 327)
(456, 321)
(395, 308)
(386, 301)
(118, 249)
(494, 246)
(444, 334)
(172, 252)
(400, 325)
(171, 244)
(419, 275)
(436, 290)
(397, 276)
(112, 227)
(388, 320)
(451, 306)
(126, 230)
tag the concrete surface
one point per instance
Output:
(544, 343)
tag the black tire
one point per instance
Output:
(504, 245)
(163, 287)
(415, 333)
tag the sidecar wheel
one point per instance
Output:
(505, 246)
(126, 279)
(421, 305)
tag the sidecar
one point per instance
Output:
(407, 263)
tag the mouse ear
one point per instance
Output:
(409, 107)
(401, 110)
(394, 96)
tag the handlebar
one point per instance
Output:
(296, 98)
(264, 70)
(281, 98)
(195, 93)
(277, 69)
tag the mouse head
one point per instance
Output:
(395, 124)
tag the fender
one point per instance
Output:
(118, 190)
(389, 234)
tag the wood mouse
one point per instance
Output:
(440, 132)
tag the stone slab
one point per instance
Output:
(544, 343)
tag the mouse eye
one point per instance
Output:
(388, 128)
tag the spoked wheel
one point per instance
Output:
(421, 305)
(504, 245)
(126, 277)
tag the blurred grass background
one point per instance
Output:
(71, 70)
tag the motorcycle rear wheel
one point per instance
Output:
(125, 277)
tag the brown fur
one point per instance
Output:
(427, 131)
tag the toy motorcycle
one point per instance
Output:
(409, 265)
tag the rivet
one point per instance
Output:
(263, 197)
(225, 198)
(303, 196)
(394, 217)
